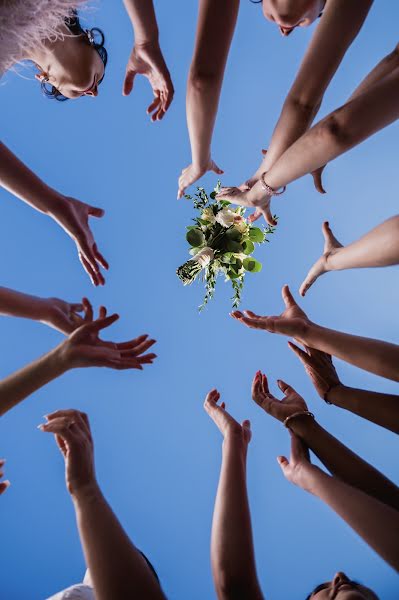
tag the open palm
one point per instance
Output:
(291, 403)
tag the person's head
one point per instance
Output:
(73, 65)
(342, 588)
(289, 14)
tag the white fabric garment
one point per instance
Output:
(26, 23)
(75, 592)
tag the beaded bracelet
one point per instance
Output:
(302, 412)
(269, 190)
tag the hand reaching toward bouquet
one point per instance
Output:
(252, 197)
(320, 368)
(292, 322)
(331, 245)
(227, 426)
(291, 403)
(147, 59)
(72, 433)
(3, 484)
(192, 173)
(73, 216)
(84, 348)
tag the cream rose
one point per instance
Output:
(226, 217)
(204, 256)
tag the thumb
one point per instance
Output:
(94, 211)
(129, 81)
(317, 180)
(283, 462)
(216, 169)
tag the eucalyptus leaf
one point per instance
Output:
(256, 235)
(195, 237)
(248, 247)
(252, 265)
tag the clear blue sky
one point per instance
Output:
(157, 452)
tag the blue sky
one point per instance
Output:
(157, 452)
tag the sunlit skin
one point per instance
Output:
(71, 65)
(289, 14)
(343, 588)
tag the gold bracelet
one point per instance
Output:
(297, 414)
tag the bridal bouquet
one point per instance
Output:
(222, 242)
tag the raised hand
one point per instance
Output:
(293, 321)
(73, 436)
(147, 60)
(320, 368)
(3, 484)
(84, 348)
(227, 426)
(73, 216)
(331, 245)
(298, 468)
(192, 173)
(61, 315)
(291, 403)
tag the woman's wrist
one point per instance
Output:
(87, 493)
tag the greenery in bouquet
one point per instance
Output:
(222, 242)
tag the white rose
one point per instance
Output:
(226, 217)
(207, 215)
(204, 256)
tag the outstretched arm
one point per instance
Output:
(117, 568)
(146, 57)
(71, 214)
(382, 409)
(232, 552)
(376, 356)
(83, 348)
(216, 24)
(338, 27)
(338, 459)
(377, 248)
(374, 521)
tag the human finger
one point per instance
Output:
(88, 310)
(128, 81)
(99, 257)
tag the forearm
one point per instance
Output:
(143, 19)
(378, 248)
(374, 521)
(382, 409)
(376, 356)
(215, 29)
(23, 183)
(21, 384)
(340, 131)
(345, 464)
(232, 552)
(17, 304)
(116, 567)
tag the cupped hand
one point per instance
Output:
(293, 321)
(73, 216)
(320, 368)
(227, 426)
(192, 173)
(3, 484)
(291, 403)
(331, 245)
(84, 348)
(73, 436)
(298, 469)
(147, 59)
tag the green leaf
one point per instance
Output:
(195, 237)
(252, 265)
(233, 234)
(233, 246)
(228, 257)
(232, 274)
(248, 247)
(256, 235)
(212, 195)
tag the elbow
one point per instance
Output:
(202, 80)
(335, 132)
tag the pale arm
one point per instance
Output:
(345, 464)
(143, 19)
(321, 61)
(232, 552)
(216, 23)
